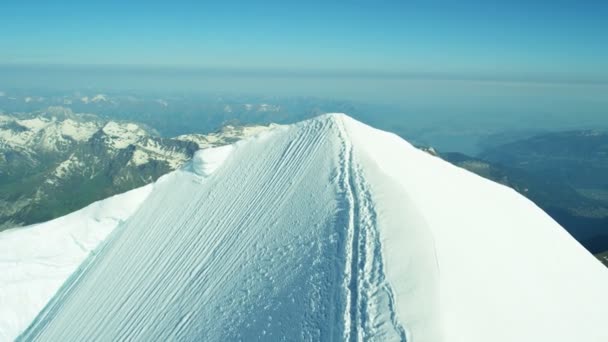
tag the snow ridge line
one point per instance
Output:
(350, 257)
(368, 294)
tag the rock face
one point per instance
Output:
(330, 230)
(56, 161)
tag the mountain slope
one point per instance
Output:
(36, 260)
(329, 229)
(585, 218)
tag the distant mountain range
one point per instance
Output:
(55, 161)
(175, 114)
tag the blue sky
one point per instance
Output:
(510, 38)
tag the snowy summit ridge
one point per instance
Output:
(330, 230)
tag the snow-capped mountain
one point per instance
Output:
(51, 131)
(57, 161)
(323, 230)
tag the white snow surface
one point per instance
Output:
(36, 260)
(79, 131)
(123, 134)
(329, 230)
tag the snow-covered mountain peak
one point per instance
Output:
(114, 128)
(331, 230)
(99, 98)
(35, 124)
(79, 131)
(43, 133)
(122, 135)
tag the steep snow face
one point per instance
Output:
(36, 260)
(331, 230)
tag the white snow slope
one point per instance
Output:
(331, 230)
(36, 260)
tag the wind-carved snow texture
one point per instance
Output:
(265, 262)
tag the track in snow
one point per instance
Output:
(369, 295)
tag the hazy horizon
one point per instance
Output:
(429, 94)
(439, 65)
